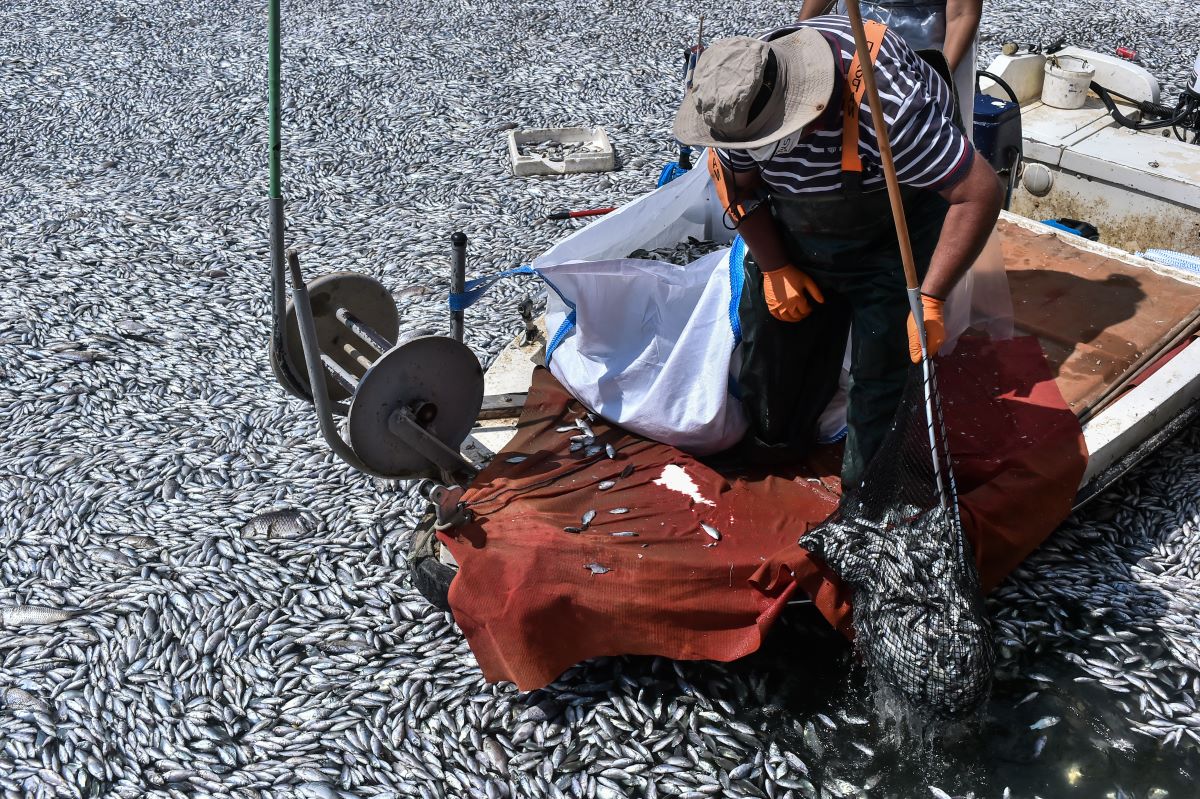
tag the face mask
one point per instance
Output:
(764, 153)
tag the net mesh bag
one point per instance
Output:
(898, 542)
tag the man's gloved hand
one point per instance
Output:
(787, 291)
(935, 328)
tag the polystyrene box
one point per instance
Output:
(585, 150)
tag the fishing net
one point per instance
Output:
(898, 542)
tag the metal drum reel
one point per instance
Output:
(410, 402)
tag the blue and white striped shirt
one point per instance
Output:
(929, 151)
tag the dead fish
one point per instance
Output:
(618, 511)
(592, 451)
(624, 534)
(606, 484)
(496, 755)
(812, 741)
(138, 541)
(627, 471)
(713, 532)
(80, 356)
(565, 428)
(596, 568)
(581, 439)
(587, 517)
(575, 446)
(1044, 722)
(17, 615)
(19, 699)
(516, 459)
(572, 529)
(113, 556)
(131, 328)
(611, 451)
(275, 523)
(840, 787)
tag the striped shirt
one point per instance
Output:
(928, 149)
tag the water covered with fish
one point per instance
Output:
(160, 637)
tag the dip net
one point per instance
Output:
(897, 541)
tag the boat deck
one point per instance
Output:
(1101, 321)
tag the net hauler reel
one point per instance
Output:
(409, 402)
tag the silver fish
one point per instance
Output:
(596, 568)
(713, 532)
(18, 615)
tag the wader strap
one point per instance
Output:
(852, 101)
(723, 182)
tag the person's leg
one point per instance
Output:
(789, 370)
(876, 290)
(879, 367)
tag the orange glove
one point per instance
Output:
(935, 328)
(785, 289)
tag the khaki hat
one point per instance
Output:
(730, 105)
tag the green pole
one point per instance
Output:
(277, 351)
(273, 94)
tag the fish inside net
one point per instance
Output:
(898, 542)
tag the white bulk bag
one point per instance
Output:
(651, 346)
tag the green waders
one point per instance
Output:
(847, 243)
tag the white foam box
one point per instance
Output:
(598, 157)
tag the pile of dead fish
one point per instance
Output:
(681, 254)
(553, 150)
(160, 637)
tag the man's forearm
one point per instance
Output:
(813, 8)
(974, 206)
(762, 237)
(962, 25)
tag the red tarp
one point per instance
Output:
(531, 608)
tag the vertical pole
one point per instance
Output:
(292, 382)
(906, 255)
(458, 279)
(885, 146)
(273, 48)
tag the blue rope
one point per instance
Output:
(560, 335)
(737, 278)
(475, 289)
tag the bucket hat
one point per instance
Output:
(747, 93)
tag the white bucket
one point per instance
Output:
(1067, 81)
